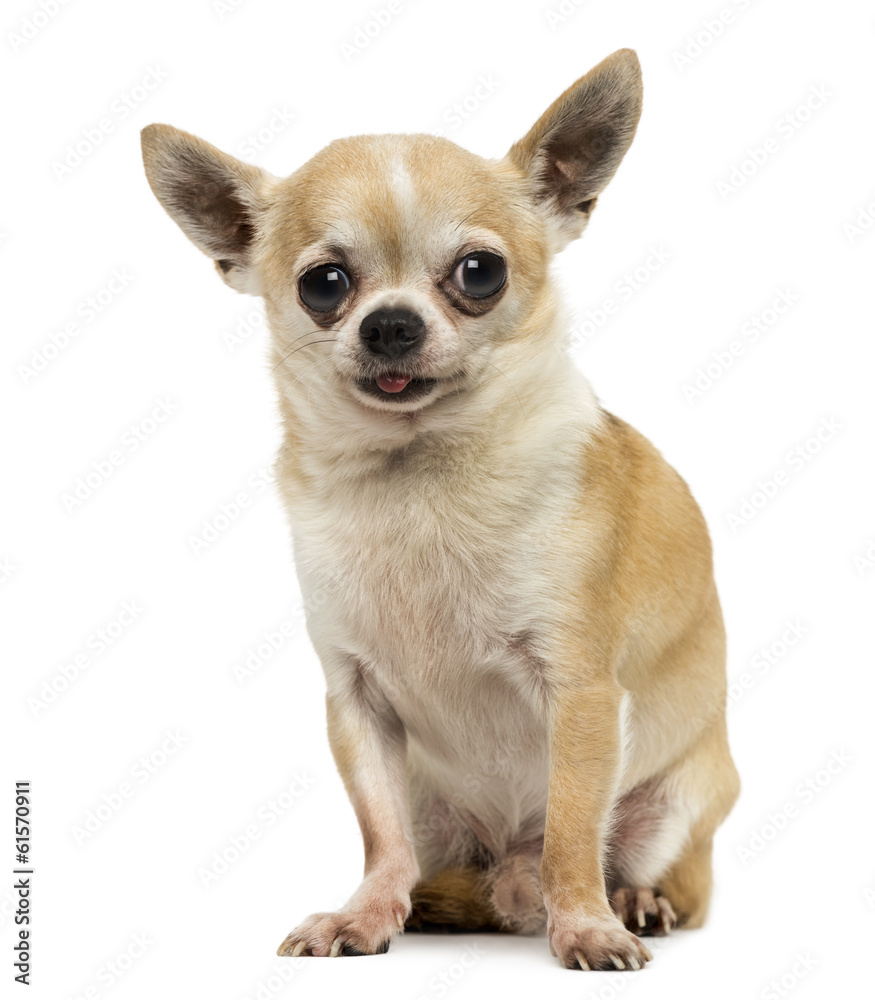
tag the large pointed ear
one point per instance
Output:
(574, 148)
(214, 199)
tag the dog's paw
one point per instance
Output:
(597, 944)
(643, 911)
(351, 932)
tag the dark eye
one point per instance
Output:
(323, 288)
(480, 274)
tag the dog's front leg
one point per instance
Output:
(369, 745)
(585, 758)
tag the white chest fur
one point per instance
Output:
(429, 562)
(428, 567)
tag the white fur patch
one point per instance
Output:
(402, 187)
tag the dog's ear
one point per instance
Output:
(575, 147)
(215, 199)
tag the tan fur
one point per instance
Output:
(658, 635)
(510, 591)
(456, 897)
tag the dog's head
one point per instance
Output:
(397, 270)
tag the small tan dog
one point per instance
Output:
(510, 591)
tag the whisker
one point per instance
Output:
(500, 372)
(295, 341)
(309, 369)
(468, 216)
(301, 348)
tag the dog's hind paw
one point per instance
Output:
(643, 911)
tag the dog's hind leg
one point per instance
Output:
(660, 868)
(506, 896)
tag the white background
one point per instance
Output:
(798, 225)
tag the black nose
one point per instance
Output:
(392, 332)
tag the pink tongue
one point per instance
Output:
(392, 383)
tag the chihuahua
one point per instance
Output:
(510, 591)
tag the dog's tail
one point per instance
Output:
(454, 899)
